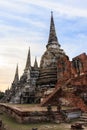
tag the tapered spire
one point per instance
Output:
(52, 34)
(28, 63)
(35, 63)
(16, 78)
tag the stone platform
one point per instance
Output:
(30, 113)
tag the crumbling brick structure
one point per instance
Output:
(72, 79)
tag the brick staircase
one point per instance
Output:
(83, 119)
(74, 100)
(46, 100)
(59, 85)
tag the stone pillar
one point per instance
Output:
(58, 107)
(49, 108)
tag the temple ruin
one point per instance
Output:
(57, 78)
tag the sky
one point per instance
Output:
(26, 23)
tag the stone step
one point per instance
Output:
(80, 122)
(85, 120)
(58, 118)
(58, 121)
(84, 114)
(84, 117)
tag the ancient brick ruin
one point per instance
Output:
(56, 78)
(72, 82)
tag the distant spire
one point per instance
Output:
(52, 34)
(28, 63)
(35, 63)
(16, 78)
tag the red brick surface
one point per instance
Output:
(72, 76)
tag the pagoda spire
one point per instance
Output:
(16, 78)
(35, 63)
(28, 63)
(52, 34)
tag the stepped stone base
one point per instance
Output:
(83, 118)
(32, 114)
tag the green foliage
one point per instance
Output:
(1, 95)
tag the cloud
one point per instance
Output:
(76, 46)
(25, 23)
(63, 8)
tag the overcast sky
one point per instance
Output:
(25, 23)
